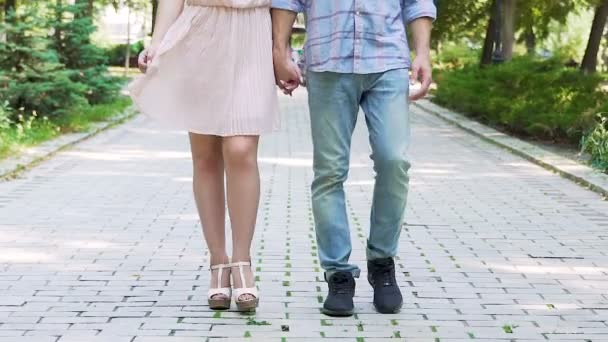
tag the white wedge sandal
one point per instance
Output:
(224, 293)
(250, 304)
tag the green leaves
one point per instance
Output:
(48, 64)
(542, 99)
(596, 143)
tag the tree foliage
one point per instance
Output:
(534, 20)
(32, 78)
(460, 19)
(73, 45)
(48, 64)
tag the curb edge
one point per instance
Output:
(19, 168)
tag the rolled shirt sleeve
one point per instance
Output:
(289, 5)
(414, 9)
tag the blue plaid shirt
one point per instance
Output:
(357, 36)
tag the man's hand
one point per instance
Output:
(286, 71)
(421, 66)
(423, 73)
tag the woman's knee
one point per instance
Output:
(207, 163)
(241, 152)
(206, 153)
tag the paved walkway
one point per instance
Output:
(102, 243)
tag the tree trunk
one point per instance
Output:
(530, 39)
(154, 13)
(589, 64)
(128, 52)
(59, 18)
(488, 43)
(508, 28)
(9, 5)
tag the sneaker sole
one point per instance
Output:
(388, 312)
(333, 313)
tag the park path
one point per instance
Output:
(102, 243)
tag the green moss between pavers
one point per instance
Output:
(252, 321)
(325, 323)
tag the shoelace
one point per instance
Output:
(340, 284)
(385, 275)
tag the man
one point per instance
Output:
(357, 57)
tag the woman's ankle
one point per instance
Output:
(218, 260)
(241, 258)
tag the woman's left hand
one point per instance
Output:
(145, 59)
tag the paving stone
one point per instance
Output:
(103, 243)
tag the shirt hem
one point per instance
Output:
(360, 72)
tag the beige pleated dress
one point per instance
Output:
(213, 74)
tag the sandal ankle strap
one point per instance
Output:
(240, 265)
(221, 268)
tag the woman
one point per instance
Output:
(209, 71)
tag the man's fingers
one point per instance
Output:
(298, 73)
(416, 96)
(288, 77)
(426, 83)
(421, 93)
(285, 87)
(414, 74)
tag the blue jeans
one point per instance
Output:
(334, 101)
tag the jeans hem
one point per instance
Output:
(373, 255)
(355, 272)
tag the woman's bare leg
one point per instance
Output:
(208, 184)
(243, 190)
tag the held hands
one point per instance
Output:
(287, 73)
(145, 59)
(423, 73)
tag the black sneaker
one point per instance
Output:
(339, 301)
(381, 276)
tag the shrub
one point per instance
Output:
(31, 77)
(542, 99)
(23, 131)
(116, 54)
(5, 121)
(456, 56)
(5, 124)
(596, 143)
